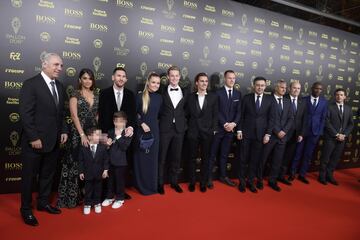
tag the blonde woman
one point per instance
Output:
(148, 105)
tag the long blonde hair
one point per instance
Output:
(145, 93)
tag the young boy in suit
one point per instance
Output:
(93, 166)
(118, 143)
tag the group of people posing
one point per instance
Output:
(114, 128)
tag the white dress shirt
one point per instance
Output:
(175, 96)
(48, 80)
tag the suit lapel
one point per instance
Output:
(47, 90)
(205, 102)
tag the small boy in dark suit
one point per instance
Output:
(118, 143)
(93, 166)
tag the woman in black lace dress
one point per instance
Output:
(83, 106)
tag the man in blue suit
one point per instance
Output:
(316, 115)
(228, 119)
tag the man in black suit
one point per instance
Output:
(43, 128)
(254, 131)
(202, 113)
(296, 135)
(281, 122)
(228, 119)
(338, 126)
(172, 128)
(117, 98)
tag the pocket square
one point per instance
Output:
(236, 100)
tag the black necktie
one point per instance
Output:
(341, 111)
(314, 103)
(257, 103)
(230, 96)
(92, 147)
(53, 91)
(280, 105)
(174, 89)
(294, 105)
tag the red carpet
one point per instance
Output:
(299, 212)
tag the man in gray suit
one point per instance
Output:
(339, 124)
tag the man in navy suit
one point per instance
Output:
(43, 129)
(316, 115)
(281, 123)
(254, 130)
(228, 119)
(338, 127)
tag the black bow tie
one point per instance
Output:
(174, 89)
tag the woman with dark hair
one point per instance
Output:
(146, 160)
(83, 105)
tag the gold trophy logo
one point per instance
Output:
(307, 73)
(16, 24)
(122, 39)
(237, 86)
(243, 20)
(269, 69)
(184, 73)
(344, 51)
(207, 34)
(283, 69)
(145, 49)
(14, 138)
(330, 76)
(328, 89)
(16, 3)
(69, 90)
(170, 4)
(223, 60)
(306, 86)
(347, 92)
(143, 68)
(300, 40)
(206, 51)
(123, 19)
(97, 63)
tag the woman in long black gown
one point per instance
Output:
(83, 106)
(146, 162)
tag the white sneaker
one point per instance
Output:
(98, 208)
(87, 209)
(107, 202)
(117, 204)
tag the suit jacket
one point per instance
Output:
(316, 116)
(117, 151)
(93, 167)
(202, 120)
(107, 108)
(40, 117)
(168, 112)
(229, 111)
(335, 124)
(281, 120)
(300, 123)
(255, 124)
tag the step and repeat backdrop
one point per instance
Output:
(142, 36)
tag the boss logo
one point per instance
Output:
(13, 166)
(125, 4)
(98, 27)
(45, 19)
(71, 55)
(15, 56)
(146, 35)
(191, 5)
(12, 85)
(73, 12)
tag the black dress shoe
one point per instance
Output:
(210, 184)
(291, 177)
(227, 181)
(303, 179)
(127, 196)
(29, 219)
(333, 181)
(284, 181)
(274, 186)
(322, 181)
(191, 187)
(161, 189)
(260, 185)
(252, 188)
(176, 187)
(242, 188)
(50, 209)
(202, 188)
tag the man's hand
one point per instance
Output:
(63, 138)
(129, 131)
(37, 144)
(266, 139)
(82, 176)
(300, 138)
(281, 134)
(105, 174)
(239, 136)
(145, 127)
